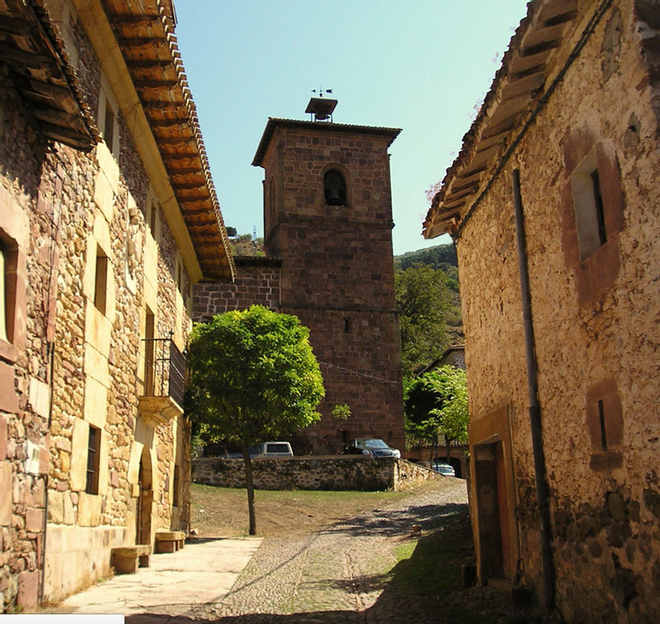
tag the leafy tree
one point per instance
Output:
(423, 300)
(341, 411)
(436, 402)
(253, 378)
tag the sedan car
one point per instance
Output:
(370, 446)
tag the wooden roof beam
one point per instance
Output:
(31, 60)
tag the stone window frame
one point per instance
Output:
(152, 216)
(14, 231)
(343, 172)
(8, 300)
(589, 206)
(108, 104)
(604, 421)
(596, 271)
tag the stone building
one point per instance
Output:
(328, 244)
(553, 206)
(107, 218)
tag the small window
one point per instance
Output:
(176, 494)
(589, 210)
(108, 113)
(109, 125)
(93, 453)
(101, 281)
(8, 288)
(334, 188)
(4, 311)
(605, 425)
(152, 216)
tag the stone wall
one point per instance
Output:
(29, 241)
(596, 328)
(257, 283)
(314, 473)
(68, 364)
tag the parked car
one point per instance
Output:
(444, 469)
(272, 449)
(370, 446)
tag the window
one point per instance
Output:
(9, 285)
(588, 201)
(108, 117)
(109, 125)
(152, 215)
(93, 453)
(334, 188)
(4, 311)
(100, 281)
(605, 425)
(176, 486)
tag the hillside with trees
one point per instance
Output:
(428, 300)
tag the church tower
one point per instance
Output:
(328, 217)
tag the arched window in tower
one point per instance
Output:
(334, 187)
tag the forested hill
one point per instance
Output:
(438, 257)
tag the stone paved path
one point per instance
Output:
(335, 575)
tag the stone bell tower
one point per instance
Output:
(328, 217)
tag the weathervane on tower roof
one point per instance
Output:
(321, 108)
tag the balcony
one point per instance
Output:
(164, 373)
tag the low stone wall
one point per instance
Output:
(314, 473)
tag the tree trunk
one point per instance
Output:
(250, 489)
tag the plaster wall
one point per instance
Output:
(596, 329)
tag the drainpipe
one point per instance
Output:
(534, 408)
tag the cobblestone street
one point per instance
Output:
(348, 572)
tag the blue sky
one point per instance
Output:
(421, 65)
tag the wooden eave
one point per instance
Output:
(144, 30)
(526, 71)
(40, 70)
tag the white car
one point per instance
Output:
(272, 449)
(444, 469)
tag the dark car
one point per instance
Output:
(370, 446)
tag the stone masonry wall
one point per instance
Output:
(29, 240)
(257, 283)
(64, 203)
(596, 327)
(314, 473)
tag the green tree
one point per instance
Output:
(254, 378)
(423, 300)
(437, 402)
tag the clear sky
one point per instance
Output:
(420, 65)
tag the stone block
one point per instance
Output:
(8, 398)
(3, 438)
(28, 589)
(34, 520)
(96, 402)
(89, 510)
(5, 486)
(40, 397)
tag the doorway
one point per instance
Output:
(145, 500)
(493, 512)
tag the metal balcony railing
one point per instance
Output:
(164, 369)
